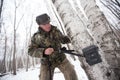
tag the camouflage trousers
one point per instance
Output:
(65, 67)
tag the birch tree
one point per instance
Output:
(15, 25)
(28, 33)
(104, 36)
(75, 27)
(1, 6)
(114, 8)
(100, 32)
(3, 64)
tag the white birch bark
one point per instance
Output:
(101, 31)
(98, 31)
(76, 29)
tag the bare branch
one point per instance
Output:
(18, 3)
(116, 14)
(117, 2)
(1, 7)
(113, 2)
(19, 22)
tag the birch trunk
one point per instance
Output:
(75, 27)
(98, 33)
(104, 36)
(1, 6)
(14, 46)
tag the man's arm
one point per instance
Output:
(34, 50)
(64, 39)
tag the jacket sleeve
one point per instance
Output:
(34, 50)
(64, 39)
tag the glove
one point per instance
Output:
(63, 48)
(66, 40)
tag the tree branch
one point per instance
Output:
(19, 22)
(117, 2)
(111, 9)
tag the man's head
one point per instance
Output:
(44, 22)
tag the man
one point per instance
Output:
(45, 44)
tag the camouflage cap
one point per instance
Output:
(42, 19)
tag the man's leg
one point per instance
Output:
(68, 70)
(44, 72)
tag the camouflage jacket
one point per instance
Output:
(42, 40)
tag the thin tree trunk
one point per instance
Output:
(4, 59)
(5, 51)
(1, 6)
(27, 63)
(16, 25)
(118, 2)
(14, 43)
(10, 61)
(29, 33)
(14, 53)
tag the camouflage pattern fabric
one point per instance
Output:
(65, 67)
(42, 39)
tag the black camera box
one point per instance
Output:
(91, 54)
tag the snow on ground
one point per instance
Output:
(80, 72)
(33, 73)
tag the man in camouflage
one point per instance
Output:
(45, 44)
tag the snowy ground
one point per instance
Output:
(33, 73)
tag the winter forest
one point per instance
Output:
(86, 22)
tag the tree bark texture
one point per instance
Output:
(97, 32)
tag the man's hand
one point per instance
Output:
(66, 39)
(49, 51)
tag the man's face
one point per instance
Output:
(46, 27)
